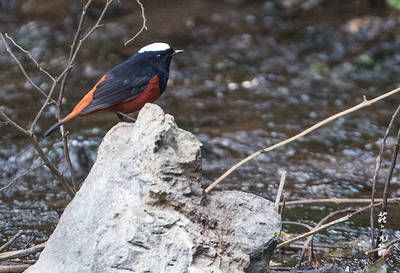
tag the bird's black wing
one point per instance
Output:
(114, 90)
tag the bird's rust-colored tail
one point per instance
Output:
(85, 101)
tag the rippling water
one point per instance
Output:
(250, 77)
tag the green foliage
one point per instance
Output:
(394, 4)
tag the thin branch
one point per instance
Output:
(41, 153)
(70, 63)
(48, 98)
(44, 105)
(283, 206)
(376, 173)
(387, 185)
(320, 223)
(28, 53)
(357, 107)
(64, 134)
(19, 176)
(94, 27)
(11, 241)
(337, 201)
(280, 189)
(325, 226)
(17, 268)
(80, 28)
(297, 224)
(392, 167)
(299, 246)
(75, 47)
(52, 168)
(280, 268)
(143, 27)
(21, 253)
(21, 67)
(72, 50)
(9, 121)
(395, 241)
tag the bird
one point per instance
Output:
(127, 87)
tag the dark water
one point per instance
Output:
(250, 77)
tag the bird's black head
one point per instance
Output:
(159, 54)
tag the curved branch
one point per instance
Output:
(143, 27)
(357, 107)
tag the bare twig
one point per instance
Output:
(92, 29)
(64, 135)
(9, 121)
(386, 246)
(44, 105)
(17, 268)
(280, 189)
(143, 27)
(387, 185)
(52, 168)
(376, 174)
(19, 176)
(41, 153)
(11, 241)
(21, 67)
(71, 61)
(337, 201)
(357, 107)
(283, 206)
(71, 53)
(61, 79)
(297, 224)
(325, 226)
(75, 47)
(280, 268)
(21, 253)
(28, 53)
(299, 246)
(320, 223)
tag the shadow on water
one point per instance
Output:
(250, 77)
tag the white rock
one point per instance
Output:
(141, 209)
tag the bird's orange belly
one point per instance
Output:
(150, 94)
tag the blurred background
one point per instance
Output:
(253, 73)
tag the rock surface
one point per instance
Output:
(141, 209)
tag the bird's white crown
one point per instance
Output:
(154, 47)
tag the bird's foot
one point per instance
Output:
(122, 116)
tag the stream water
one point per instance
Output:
(250, 76)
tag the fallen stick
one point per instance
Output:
(12, 240)
(336, 201)
(383, 247)
(322, 227)
(21, 253)
(14, 268)
(297, 224)
(378, 165)
(280, 189)
(386, 193)
(311, 238)
(359, 106)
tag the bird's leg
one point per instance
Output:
(121, 117)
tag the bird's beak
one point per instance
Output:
(177, 52)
